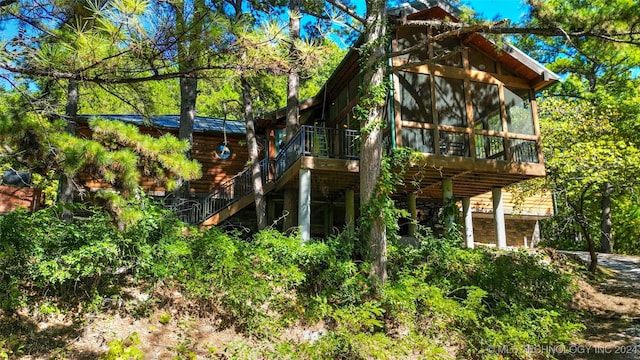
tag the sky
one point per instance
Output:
(490, 9)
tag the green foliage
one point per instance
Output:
(125, 349)
(164, 318)
(10, 347)
(117, 155)
(584, 149)
(589, 121)
(38, 251)
(490, 299)
(437, 293)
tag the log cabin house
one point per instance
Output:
(473, 114)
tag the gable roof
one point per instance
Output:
(201, 123)
(516, 60)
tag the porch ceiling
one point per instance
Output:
(470, 177)
(331, 177)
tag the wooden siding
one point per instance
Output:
(484, 231)
(215, 170)
(534, 206)
(12, 198)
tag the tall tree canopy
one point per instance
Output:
(592, 146)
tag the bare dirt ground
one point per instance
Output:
(611, 307)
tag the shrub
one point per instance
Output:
(38, 251)
(489, 298)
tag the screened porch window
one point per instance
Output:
(454, 144)
(415, 97)
(485, 101)
(418, 139)
(489, 147)
(450, 101)
(519, 114)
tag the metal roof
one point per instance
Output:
(201, 123)
(415, 6)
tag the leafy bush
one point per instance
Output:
(438, 294)
(489, 298)
(125, 349)
(38, 251)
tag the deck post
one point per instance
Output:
(349, 212)
(411, 200)
(304, 204)
(498, 216)
(447, 199)
(468, 222)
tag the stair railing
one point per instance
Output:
(308, 141)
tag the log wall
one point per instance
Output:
(12, 198)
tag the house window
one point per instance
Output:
(519, 115)
(354, 84)
(450, 101)
(485, 101)
(415, 97)
(410, 36)
(418, 139)
(342, 99)
(281, 139)
(333, 110)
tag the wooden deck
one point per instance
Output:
(333, 158)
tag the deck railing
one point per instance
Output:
(330, 143)
(308, 141)
(318, 142)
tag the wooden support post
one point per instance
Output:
(498, 216)
(349, 210)
(468, 222)
(411, 200)
(447, 200)
(304, 204)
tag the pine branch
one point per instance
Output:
(345, 9)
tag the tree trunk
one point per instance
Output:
(578, 209)
(188, 96)
(293, 107)
(375, 230)
(252, 142)
(606, 245)
(67, 188)
(293, 81)
(584, 225)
